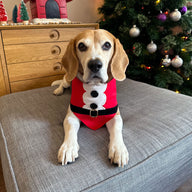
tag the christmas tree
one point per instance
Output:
(14, 15)
(19, 15)
(23, 12)
(156, 35)
(3, 13)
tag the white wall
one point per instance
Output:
(84, 10)
(78, 10)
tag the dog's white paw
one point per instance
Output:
(68, 152)
(118, 154)
(58, 91)
(57, 82)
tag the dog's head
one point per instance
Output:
(95, 55)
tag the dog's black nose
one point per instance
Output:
(95, 65)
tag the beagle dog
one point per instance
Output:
(93, 61)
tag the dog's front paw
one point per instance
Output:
(68, 152)
(58, 91)
(118, 154)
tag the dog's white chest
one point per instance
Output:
(94, 96)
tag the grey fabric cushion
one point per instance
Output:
(157, 132)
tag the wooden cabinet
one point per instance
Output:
(2, 81)
(4, 86)
(30, 56)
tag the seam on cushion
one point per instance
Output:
(166, 147)
(9, 159)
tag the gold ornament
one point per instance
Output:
(157, 2)
(183, 50)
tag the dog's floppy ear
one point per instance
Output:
(70, 61)
(119, 61)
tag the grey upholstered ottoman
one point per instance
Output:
(157, 132)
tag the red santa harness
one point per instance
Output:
(94, 104)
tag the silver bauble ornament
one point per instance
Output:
(152, 47)
(134, 31)
(177, 61)
(175, 15)
(166, 61)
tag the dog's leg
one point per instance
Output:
(62, 84)
(68, 151)
(117, 150)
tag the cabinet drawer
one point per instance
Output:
(31, 70)
(34, 52)
(11, 37)
(33, 83)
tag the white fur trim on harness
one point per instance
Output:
(100, 100)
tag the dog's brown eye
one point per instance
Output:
(106, 46)
(82, 47)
